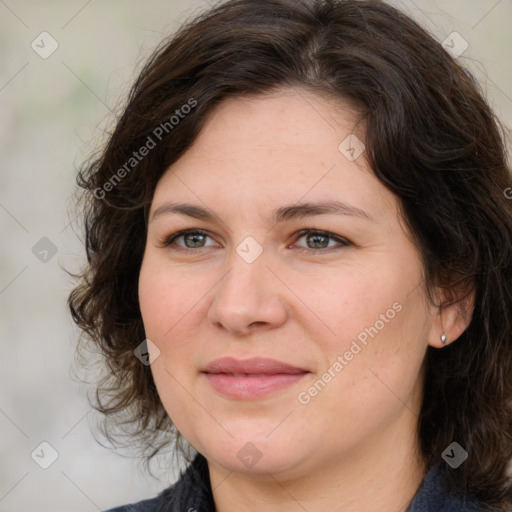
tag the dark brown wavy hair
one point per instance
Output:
(430, 138)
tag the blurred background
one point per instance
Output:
(65, 67)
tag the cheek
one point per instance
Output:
(165, 299)
(380, 363)
(172, 310)
(166, 307)
(371, 372)
(374, 330)
(350, 301)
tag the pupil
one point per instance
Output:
(194, 237)
(316, 237)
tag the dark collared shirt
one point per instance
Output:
(192, 493)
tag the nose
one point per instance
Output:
(248, 298)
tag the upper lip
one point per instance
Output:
(255, 365)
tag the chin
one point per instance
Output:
(256, 454)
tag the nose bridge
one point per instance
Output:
(247, 279)
(247, 293)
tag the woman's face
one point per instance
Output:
(343, 304)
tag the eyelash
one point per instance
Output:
(342, 242)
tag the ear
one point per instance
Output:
(451, 316)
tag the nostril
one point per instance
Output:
(257, 323)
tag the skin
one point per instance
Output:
(353, 446)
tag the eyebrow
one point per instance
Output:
(282, 214)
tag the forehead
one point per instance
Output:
(272, 148)
(292, 120)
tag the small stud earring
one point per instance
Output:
(443, 338)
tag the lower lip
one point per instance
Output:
(251, 387)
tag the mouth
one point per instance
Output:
(251, 378)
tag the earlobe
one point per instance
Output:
(451, 319)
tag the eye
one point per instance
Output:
(320, 240)
(192, 238)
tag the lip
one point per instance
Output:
(251, 378)
(254, 365)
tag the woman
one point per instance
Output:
(299, 261)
